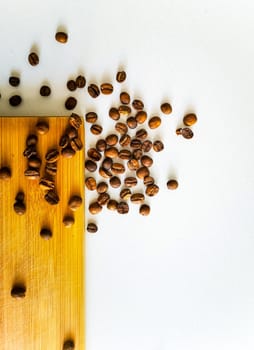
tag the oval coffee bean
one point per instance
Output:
(130, 181)
(68, 221)
(124, 154)
(107, 163)
(146, 146)
(34, 162)
(125, 140)
(106, 88)
(142, 172)
(51, 197)
(95, 208)
(46, 184)
(137, 154)
(94, 154)
(111, 152)
(190, 119)
(19, 208)
(101, 145)
(158, 146)
(138, 105)
(51, 168)
(141, 134)
(71, 85)
(81, 81)
(112, 204)
(136, 144)
(90, 165)
(90, 183)
(125, 193)
(45, 91)
(70, 103)
(146, 161)
(33, 59)
(172, 184)
(15, 100)
(105, 173)
(31, 140)
(148, 180)
(32, 173)
(45, 233)
(103, 198)
(125, 98)
(132, 122)
(154, 122)
(14, 81)
(122, 208)
(121, 128)
(68, 152)
(75, 121)
(124, 110)
(91, 227)
(133, 164)
(61, 37)
(115, 182)
(120, 76)
(102, 187)
(141, 117)
(93, 90)
(96, 129)
(114, 113)
(20, 196)
(5, 173)
(111, 140)
(42, 127)
(91, 117)
(76, 144)
(75, 202)
(30, 151)
(166, 108)
(137, 198)
(152, 190)
(144, 210)
(187, 133)
(52, 155)
(117, 168)
(69, 345)
(18, 291)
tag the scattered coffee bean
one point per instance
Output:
(51, 197)
(166, 108)
(45, 91)
(51, 168)
(61, 37)
(124, 154)
(52, 155)
(115, 182)
(148, 180)
(124, 110)
(133, 164)
(117, 168)
(32, 173)
(107, 163)
(147, 146)
(81, 81)
(101, 145)
(75, 202)
(131, 122)
(18, 291)
(45, 233)
(154, 122)
(15, 100)
(91, 117)
(136, 144)
(91, 227)
(190, 119)
(30, 151)
(106, 88)
(46, 184)
(20, 196)
(152, 190)
(90, 165)
(112, 204)
(125, 194)
(158, 146)
(103, 198)
(31, 140)
(102, 187)
(105, 173)
(14, 81)
(137, 154)
(90, 183)
(71, 132)
(19, 208)
(33, 59)
(95, 208)
(75, 121)
(111, 140)
(137, 198)
(122, 208)
(111, 152)
(130, 181)
(76, 144)
(71, 85)
(34, 162)
(146, 161)
(144, 210)
(94, 154)
(5, 173)
(96, 129)
(69, 345)
(142, 172)
(138, 105)
(42, 127)
(141, 134)
(70, 103)
(125, 98)
(68, 221)
(125, 140)
(121, 128)
(187, 133)
(93, 90)
(141, 117)
(114, 113)
(120, 76)
(172, 184)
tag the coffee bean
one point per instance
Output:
(136, 144)
(14, 81)
(107, 163)
(146, 161)
(115, 182)
(146, 146)
(45, 91)
(76, 144)
(172, 184)
(93, 90)
(142, 172)
(94, 208)
(91, 117)
(75, 202)
(102, 187)
(52, 155)
(71, 132)
(133, 164)
(124, 154)
(101, 145)
(90, 165)
(190, 119)
(141, 134)
(122, 208)
(131, 122)
(179, 131)
(154, 122)
(148, 180)
(51, 197)
(51, 168)
(111, 152)
(90, 183)
(105, 173)
(130, 181)
(20, 196)
(15, 100)
(158, 146)
(103, 198)
(61, 37)
(33, 59)
(124, 110)
(42, 127)
(71, 85)
(152, 190)
(46, 184)
(19, 208)
(112, 204)
(111, 140)
(125, 140)
(34, 162)
(187, 133)
(32, 173)
(137, 154)
(106, 88)
(166, 108)
(114, 113)
(81, 81)
(30, 151)
(120, 76)
(144, 210)
(117, 168)
(68, 221)
(5, 173)
(70, 103)
(125, 193)
(31, 140)
(94, 154)
(138, 105)
(125, 98)
(68, 345)
(18, 291)
(137, 198)
(45, 233)
(91, 227)
(75, 121)
(141, 117)
(96, 129)
(121, 128)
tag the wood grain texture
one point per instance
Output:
(52, 270)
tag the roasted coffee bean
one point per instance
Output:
(90, 183)
(68, 221)
(51, 168)
(117, 168)
(141, 117)
(20, 196)
(158, 146)
(142, 172)
(70, 103)
(96, 129)
(95, 208)
(75, 120)
(148, 180)
(94, 154)
(103, 198)
(111, 140)
(130, 181)
(34, 162)
(52, 155)
(124, 110)
(46, 184)
(138, 105)
(152, 190)
(136, 144)
(137, 154)
(51, 197)
(121, 128)
(101, 145)
(125, 140)
(91, 227)
(166, 108)
(133, 164)
(93, 90)
(69, 345)
(146, 161)
(14, 81)
(154, 122)
(190, 119)
(124, 154)
(131, 122)
(187, 133)
(18, 291)
(125, 193)
(33, 59)
(72, 132)
(146, 146)
(122, 208)
(137, 198)
(76, 144)
(106, 88)
(105, 173)
(61, 37)
(32, 173)
(15, 100)
(91, 117)
(45, 91)
(30, 151)
(45, 233)
(120, 76)
(75, 202)
(81, 81)
(31, 140)
(114, 113)
(115, 182)
(90, 165)
(102, 187)
(71, 85)
(172, 184)
(111, 152)
(5, 173)
(144, 210)
(107, 163)
(42, 127)
(112, 204)
(19, 208)
(125, 98)
(141, 134)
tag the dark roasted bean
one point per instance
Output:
(125, 140)
(115, 182)
(137, 154)
(187, 133)
(125, 98)
(20, 196)
(68, 152)
(69, 345)
(103, 198)
(90, 165)
(75, 120)
(68, 221)
(124, 110)
(64, 140)
(34, 162)
(71, 132)
(102, 187)
(148, 180)
(5, 173)
(91, 227)
(93, 90)
(131, 122)
(172, 184)
(141, 134)
(117, 168)
(125, 194)
(42, 127)
(158, 146)
(105, 173)
(51, 197)
(142, 172)
(96, 129)
(30, 151)
(14, 81)
(144, 210)
(122, 208)
(32, 173)
(94, 208)
(136, 144)
(75, 202)
(46, 184)
(15, 100)
(33, 59)
(70, 103)
(94, 154)
(146, 145)
(71, 85)
(138, 105)
(146, 161)
(107, 163)
(76, 144)
(51, 168)
(19, 208)
(31, 140)
(52, 155)
(18, 291)
(45, 233)
(91, 117)
(81, 81)
(45, 91)
(124, 154)
(101, 145)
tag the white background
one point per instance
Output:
(182, 278)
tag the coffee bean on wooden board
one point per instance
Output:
(5, 173)
(46, 234)
(42, 127)
(68, 221)
(75, 202)
(69, 345)
(51, 197)
(18, 291)
(75, 120)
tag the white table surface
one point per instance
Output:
(182, 278)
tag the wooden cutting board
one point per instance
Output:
(52, 310)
